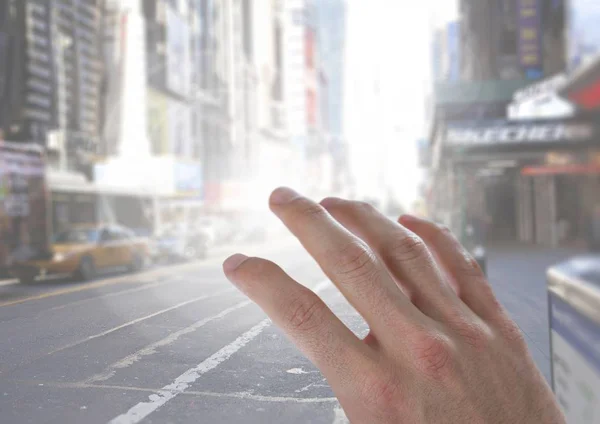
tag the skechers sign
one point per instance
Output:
(519, 133)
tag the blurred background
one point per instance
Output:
(152, 113)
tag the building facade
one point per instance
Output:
(29, 77)
(508, 154)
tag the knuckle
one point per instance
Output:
(379, 391)
(444, 231)
(434, 355)
(472, 334)
(305, 312)
(512, 333)
(355, 261)
(468, 266)
(405, 248)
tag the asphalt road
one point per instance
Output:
(179, 344)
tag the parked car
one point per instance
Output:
(219, 230)
(84, 250)
(181, 244)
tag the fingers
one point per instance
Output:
(347, 261)
(304, 317)
(405, 255)
(468, 278)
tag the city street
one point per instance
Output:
(180, 344)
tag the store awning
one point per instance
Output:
(574, 169)
(70, 182)
(583, 87)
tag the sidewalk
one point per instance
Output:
(517, 274)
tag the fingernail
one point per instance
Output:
(283, 195)
(330, 202)
(233, 262)
(408, 218)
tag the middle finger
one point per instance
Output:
(405, 255)
(347, 261)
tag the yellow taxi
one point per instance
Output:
(83, 251)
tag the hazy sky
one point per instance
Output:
(387, 79)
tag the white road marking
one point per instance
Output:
(311, 385)
(160, 397)
(114, 294)
(138, 320)
(339, 417)
(236, 395)
(260, 398)
(152, 348)
(181, 383)
(297, 371)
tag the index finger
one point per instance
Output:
(304, 317)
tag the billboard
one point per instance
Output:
(188, 178)
(583, 32)
(178, 54)
(24, 228)
(530, 37)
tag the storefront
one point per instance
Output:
(77, 201)
(528, 181)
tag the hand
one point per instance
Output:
(441, 349)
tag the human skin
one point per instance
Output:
(441, 349)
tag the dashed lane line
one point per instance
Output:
(339, 417)
(138, 320)
(115, 294)
(152, 348)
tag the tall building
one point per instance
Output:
(77, 53)
(172, 39)
(51, 77)
(500, 42)
(27, 81)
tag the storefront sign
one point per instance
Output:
(188, 178)
(542, 88)
(530, 37)
(520, 133)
